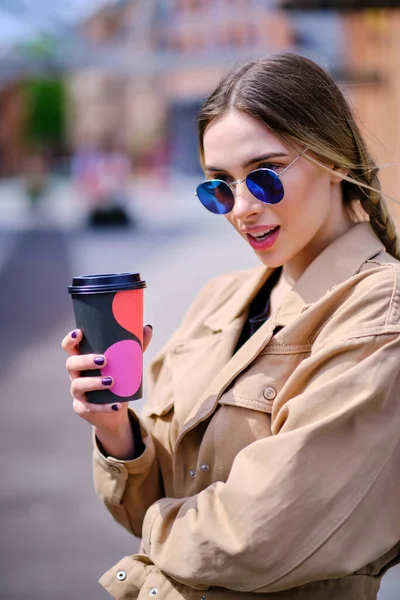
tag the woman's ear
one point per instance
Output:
(337, 177)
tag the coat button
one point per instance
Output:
(202, 598)
(192, 474)
(269, 393)
(204, 467)
(121, 575)
(153, 592)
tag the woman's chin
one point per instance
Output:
(268, 260)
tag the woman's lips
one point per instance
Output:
(265, 243)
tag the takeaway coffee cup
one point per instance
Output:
(108, 309)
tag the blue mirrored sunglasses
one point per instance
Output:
(217, 195)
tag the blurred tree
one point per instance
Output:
(45, 132)
(45, 125)
(45, 95)
(45, 117)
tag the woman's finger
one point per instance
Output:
(84, 362)
(147, 335)
(81, 385)
(71, 342)
(85, 409)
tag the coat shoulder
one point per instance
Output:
(211, 297)
(365, 305)
(379, 283)
(384, 258)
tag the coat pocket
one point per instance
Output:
(259, 385)
(256, 401)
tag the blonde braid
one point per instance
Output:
(371, 197)
(373, 203)
(381, 221)
(362, 186)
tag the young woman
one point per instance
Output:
(266, 462)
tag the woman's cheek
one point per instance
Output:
(233, 221)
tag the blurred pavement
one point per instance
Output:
(57, 537)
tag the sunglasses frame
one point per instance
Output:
(233, 184)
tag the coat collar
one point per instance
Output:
(240, 299)
(342, 259)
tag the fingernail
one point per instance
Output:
(74, 334)
(106, 381)
(115, 407)
(99, 360)
(151, 327)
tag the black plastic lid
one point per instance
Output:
(107, 282)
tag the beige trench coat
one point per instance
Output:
(274, 473)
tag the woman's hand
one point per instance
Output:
(110, 421)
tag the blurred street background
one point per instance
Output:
(98, 166)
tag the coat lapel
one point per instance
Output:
(341, 260)
(231, 319)
(192, 364)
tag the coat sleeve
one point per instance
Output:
(129, 488)
(112, 476)
(318, 499)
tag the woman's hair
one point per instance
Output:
(301, 104)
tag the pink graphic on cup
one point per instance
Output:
(124, 364)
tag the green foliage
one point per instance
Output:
(46, 111)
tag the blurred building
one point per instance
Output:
(137, 71)
(157, 61)
(12, 128)
(373, 42)
(371, 51)
(169, 56)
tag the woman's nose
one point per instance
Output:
(245, 204)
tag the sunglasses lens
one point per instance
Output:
(265, 185)
(216, 196)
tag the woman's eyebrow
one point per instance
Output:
(251, 161)
(263, 157)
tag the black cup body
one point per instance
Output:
(109, 311)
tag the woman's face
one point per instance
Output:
(311, 213)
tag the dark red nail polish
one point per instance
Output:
(106, 381)
(115, 407)
(73, 334)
